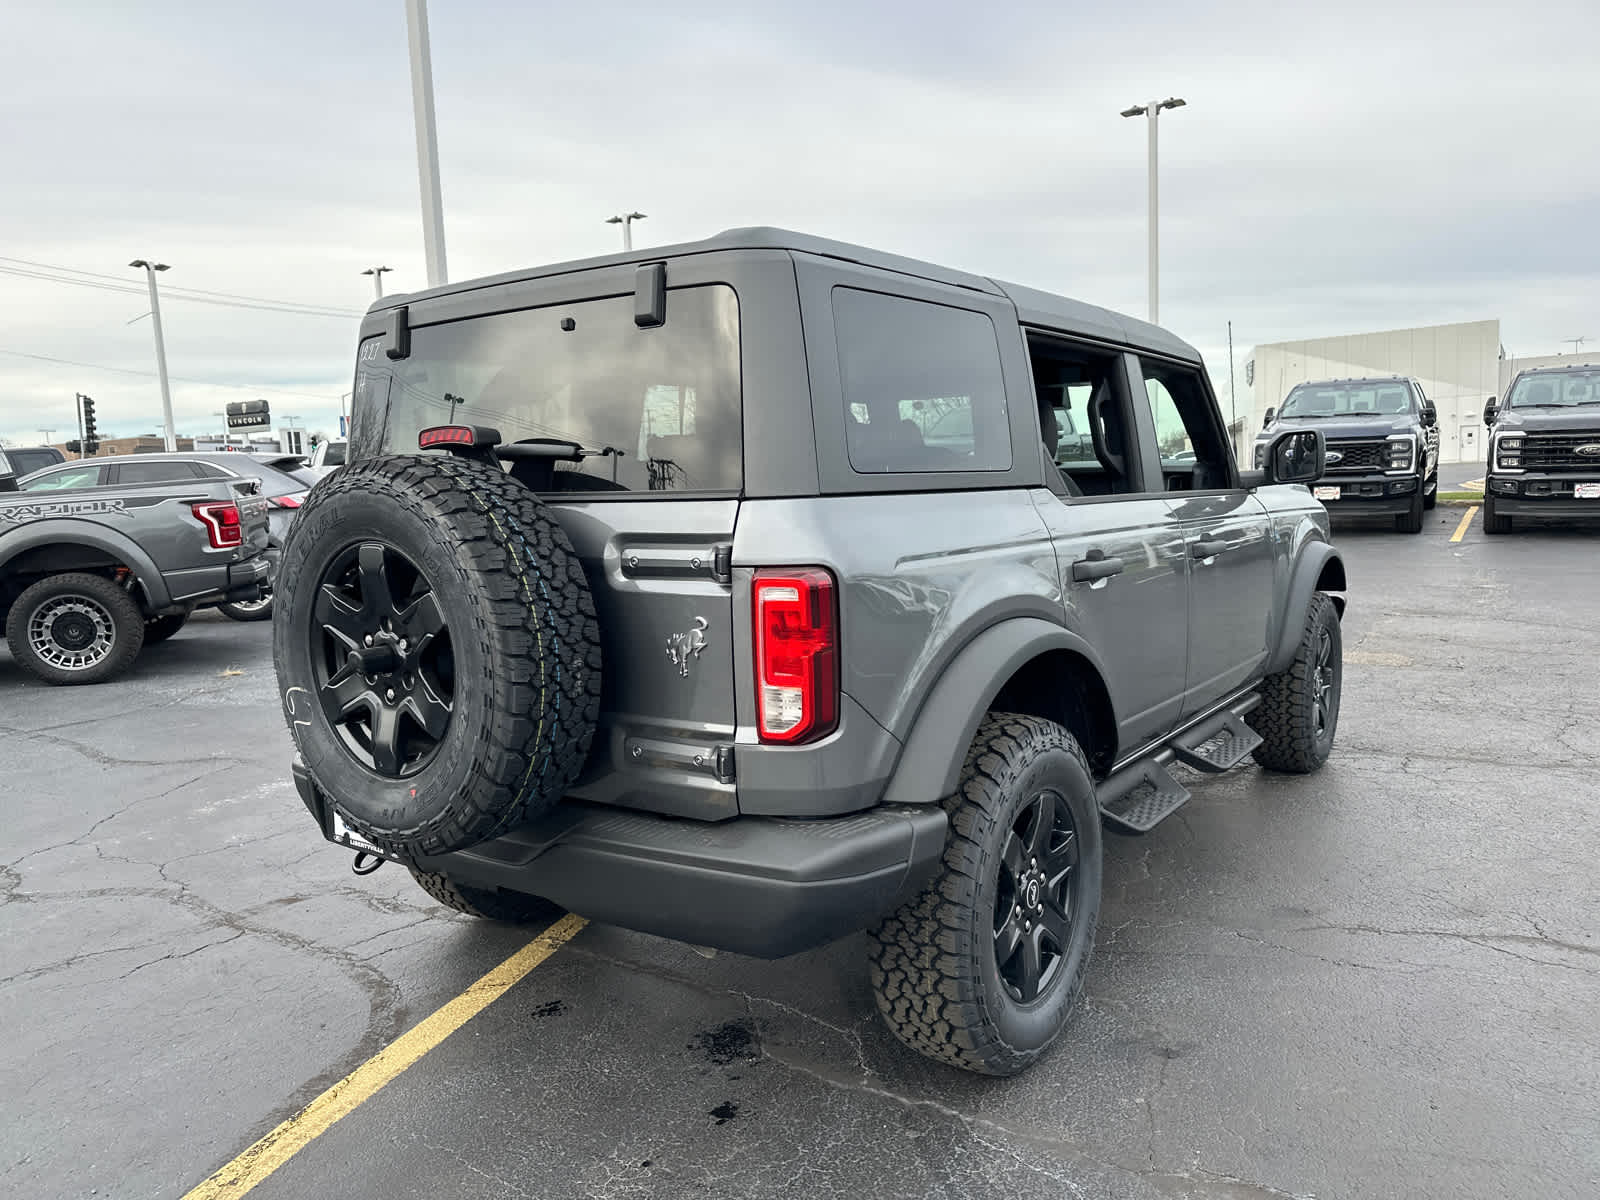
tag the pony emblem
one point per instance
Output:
(684, 647)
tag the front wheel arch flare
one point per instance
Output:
(1319, 569)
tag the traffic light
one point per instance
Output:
(75, 446)
(91, 438)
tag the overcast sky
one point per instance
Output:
(1356, 167)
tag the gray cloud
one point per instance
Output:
(1351, 168)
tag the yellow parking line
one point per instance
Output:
(284, 1142)
(1465, 521)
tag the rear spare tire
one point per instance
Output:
(437, 651)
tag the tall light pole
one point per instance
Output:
(626, 220)
(427, 140)
(150, 269)
(1152, 114)
(377, 278)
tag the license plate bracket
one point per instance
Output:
(1325, 493)
(1586, 491)
(346, 836)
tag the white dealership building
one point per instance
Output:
(1459, 366)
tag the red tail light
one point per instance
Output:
(797, 654)
(445, 435)
(221, 519)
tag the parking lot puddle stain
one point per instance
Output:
(727, 1043)
(725, 1112)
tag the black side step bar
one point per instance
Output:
(1138, 797)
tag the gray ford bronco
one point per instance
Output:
(749, 592)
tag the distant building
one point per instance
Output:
(1459, 366)
(149, 443)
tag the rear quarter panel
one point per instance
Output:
(919, 576)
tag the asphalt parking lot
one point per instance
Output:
(1382, 980)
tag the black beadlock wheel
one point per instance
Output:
(1299, 710)
(511, 907)
(437, 649)
(983, 970)
(75, 628)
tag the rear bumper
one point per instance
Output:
(218, 583)
(763, 886)
(1369, 495)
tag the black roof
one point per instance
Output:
(1034, 307)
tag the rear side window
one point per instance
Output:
(154, 472)
(654, 410)
(922, 385)
(71, 477)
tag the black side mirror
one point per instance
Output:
(1295, 457)
(1430, 415)
(1490, 412)
(1267, 417)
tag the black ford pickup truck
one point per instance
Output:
(1383, 445)
(1544, 447)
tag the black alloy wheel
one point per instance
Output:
(1323, 673)
(1035, 902)
(384, 668)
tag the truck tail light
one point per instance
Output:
(291, 500)
(797, 654)
(221, 519)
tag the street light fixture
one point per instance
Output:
(1152, 113)
(150, 269)
(626, 221)
(377, 278)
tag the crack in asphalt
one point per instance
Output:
(186, 954)
(112, 816)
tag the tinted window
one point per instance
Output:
(70, 477)
(27, 461)
(333, 454)
(922, 385)
(659, 408)
(154, 472)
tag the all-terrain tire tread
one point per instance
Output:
(923, 960)
(511, 907)
(1285, 718)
